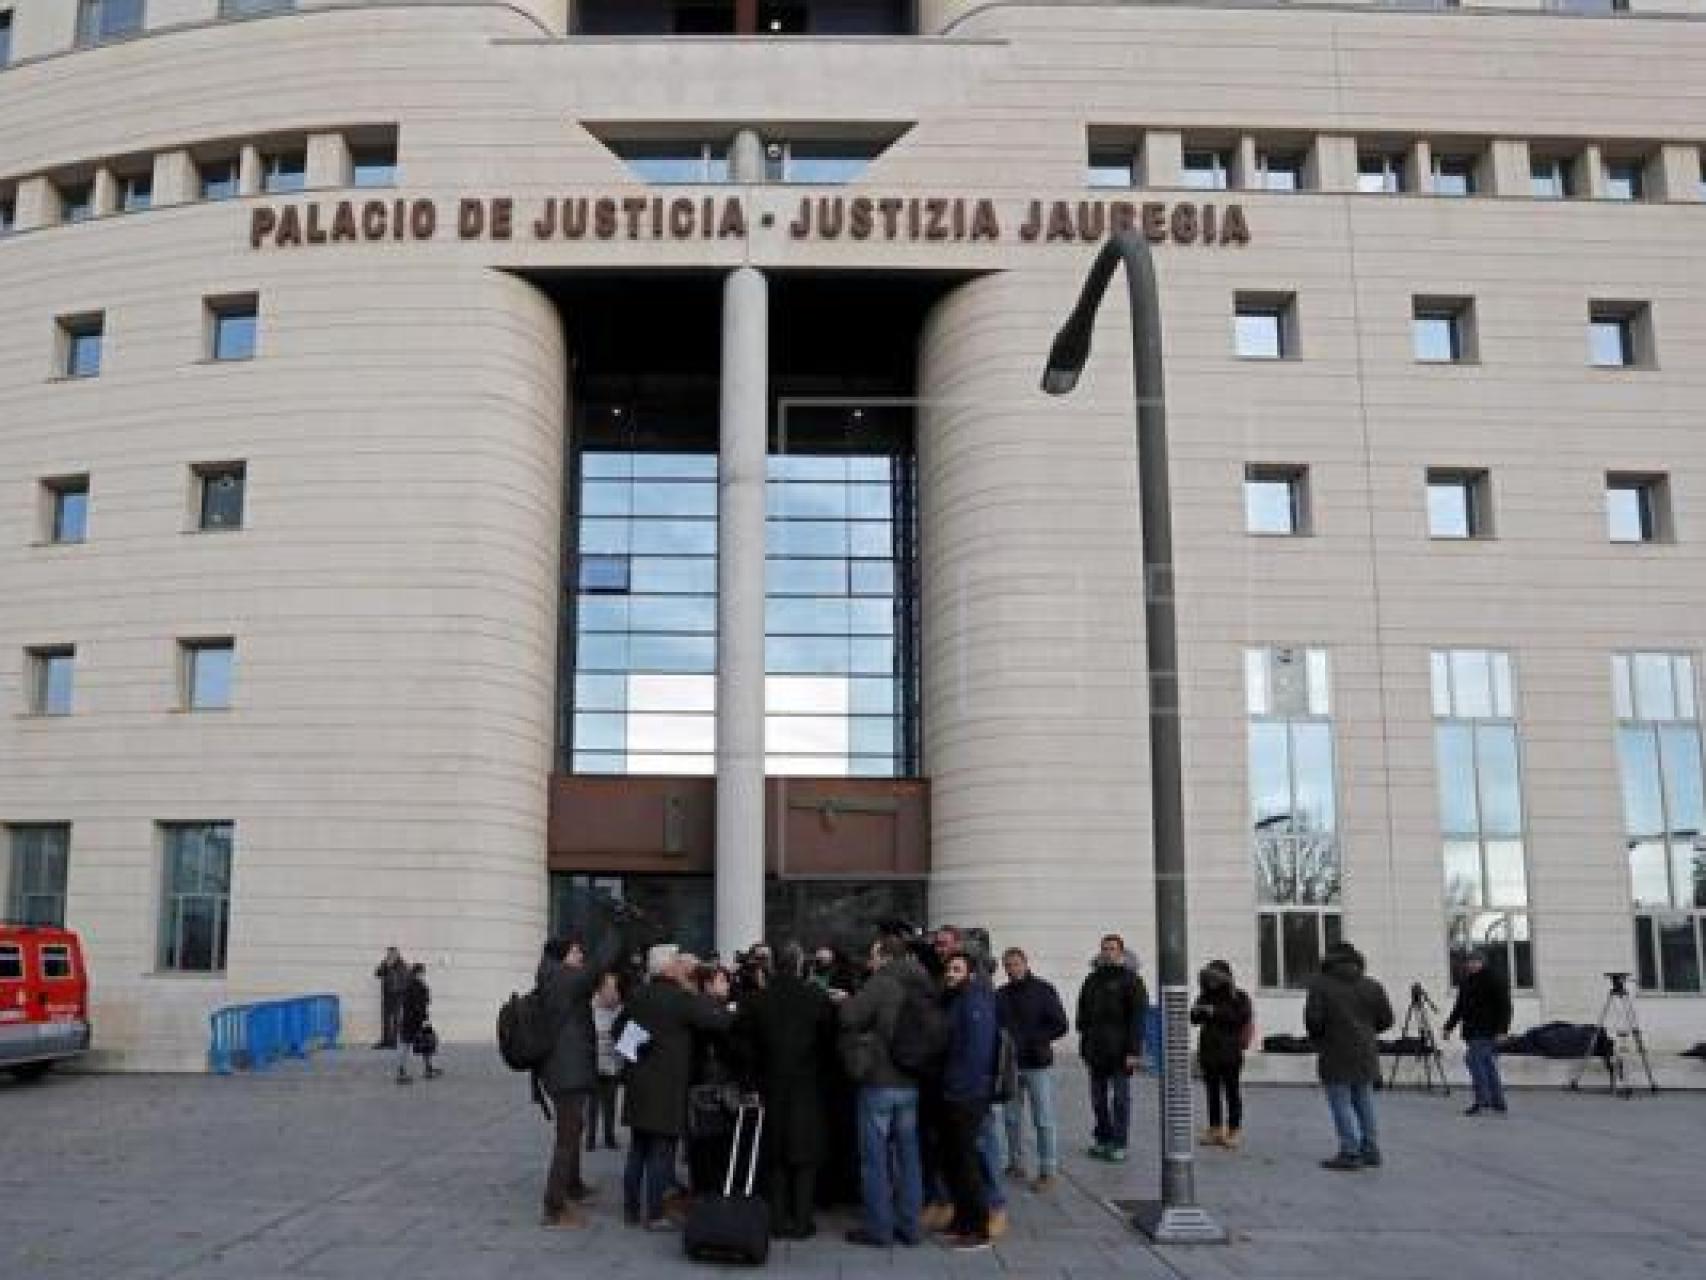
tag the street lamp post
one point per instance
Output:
(1176, 1218)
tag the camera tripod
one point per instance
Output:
(1617, 1026)
(1426, 1054)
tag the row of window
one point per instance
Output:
(216, 492)
(230, 331)
(1541, 170)
(1459, 503)
(99, 21)
(1443, 330)
(1297, 856)
(205, 667)
(364, 158)
(195, 888)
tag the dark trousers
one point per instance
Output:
(1110, 1099)
(793, 1191)
(563, 1183)
(1221, 1082)
(961, 1122)
(390, 1015)
(930, 1141)
(708, 1162)
(602, 1102)
(651, 1161)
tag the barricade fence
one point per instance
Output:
(251, 1037)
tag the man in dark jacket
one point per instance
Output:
(1343, 1013)
(570, 1074)
(1112, 1004)
(788, 1031)
(1483, 1006)
(1030, 1010)
(968, 1087)
(393, 975)
(668, 1010)
(891, 1181)
(412, 1016)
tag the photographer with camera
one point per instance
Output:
(1483, 1007)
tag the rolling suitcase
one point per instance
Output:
(735, 1226)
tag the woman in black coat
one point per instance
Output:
(1225, 1015)
(788, 1033)
(715, 1082)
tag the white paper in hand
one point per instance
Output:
(634, 1038)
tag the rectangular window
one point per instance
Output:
(219, 491)
(253, 8)
(50, 673)
(5, 36)
(206, 673)
(1294, 812)
(373, 164)
(1276, 499)
(66, 508)
(1380, 172)
(1477, 752)
(1442, 330)
(1659, 758)
(219, 178)
(1112, 167)
(100, 20)
(195, 901)
(1624, 179)
(231, 325)
(8, 213)
(136, 191)
(1619, 335)
(1205, 169)
(1459, 504)
(284, 171)
(1454, 175)
(675, 163)
(76, 200)
(1264, 326)
(40, 861)
(822, 163)
(1279, 170)
(1549, 177)
(1637, 507)
(80, 345)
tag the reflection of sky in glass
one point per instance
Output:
(645, 616)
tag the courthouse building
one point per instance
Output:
(466, 459)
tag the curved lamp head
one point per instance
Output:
(1067, 356)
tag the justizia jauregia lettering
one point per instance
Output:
(682, 217)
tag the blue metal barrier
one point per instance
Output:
(254, 1036)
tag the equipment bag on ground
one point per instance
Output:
(735, 1226)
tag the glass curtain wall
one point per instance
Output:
(1481, 809)
(1658, 752)
(1294, 813)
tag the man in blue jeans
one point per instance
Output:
(1483, 1007)
(891, 1181)
(1343, 1013)
(1032, 1014)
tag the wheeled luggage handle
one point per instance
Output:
(734, 1149)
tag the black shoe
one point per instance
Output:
(1500, 1108)
(860, 1236)
(610, 1144)
(1343, 1162)
(1371, 1157)
(1474, 1110)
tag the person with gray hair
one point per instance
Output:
(788, 1030)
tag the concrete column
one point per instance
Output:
(1332, 163)
(1161, 158)
(105, 193)
(742, 442)
(174, 178)
(1676, 173)
(328, 161)
(38, 204)
(250, 175)
(1511, 174)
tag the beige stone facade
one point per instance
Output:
(393, 593)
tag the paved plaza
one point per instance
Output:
(329, 1171)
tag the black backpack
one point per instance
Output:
(919, 1045)
(525, 1034)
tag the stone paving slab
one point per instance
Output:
(329, 1171)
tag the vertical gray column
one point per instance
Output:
(742, 444)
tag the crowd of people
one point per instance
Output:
(900, 1082)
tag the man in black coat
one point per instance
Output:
(570, 1074)
(393, 975)
(1483, 1006)
(654, 1107)
(788, 1031)
(1112, 1004)
(1344, 1013)
(1031, 1013)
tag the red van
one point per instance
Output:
(44, 998)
